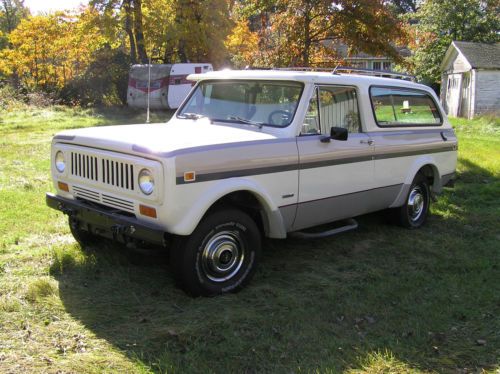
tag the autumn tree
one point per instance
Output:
(300, 32)
(48, 51)
(11, 13)
(128, 13)
(242, 44)
(198, 32)
(442, 21)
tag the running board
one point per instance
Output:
(351, 224)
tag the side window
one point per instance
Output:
(403, 107)
(311, 122)
(338, 107)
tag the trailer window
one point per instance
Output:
(268, 103)
(402, 107)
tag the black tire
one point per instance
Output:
(413, 213)
(82, 237)
(219, 257)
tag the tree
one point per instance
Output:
(48, 51)
(11, 13)
(129, 14)
(242, 44)
(198, 32)
(442, 21)
(300, 32)
(404, 6)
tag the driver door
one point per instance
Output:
(335, 176)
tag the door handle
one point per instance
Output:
(369, 141)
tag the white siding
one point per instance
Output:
(460, 65)
(487, 95)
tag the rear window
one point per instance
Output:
(401, 107)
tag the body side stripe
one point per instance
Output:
(310, 165)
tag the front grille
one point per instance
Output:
(119, 174)
(101, 198)
(84, 166)
(102, 169)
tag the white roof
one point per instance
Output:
(306, 77)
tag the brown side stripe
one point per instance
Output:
(309, 165)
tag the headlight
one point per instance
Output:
(60, 162)
(146, 181)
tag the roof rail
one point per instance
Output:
(372, 72)
(344, 70)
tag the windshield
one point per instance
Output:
(261, 103)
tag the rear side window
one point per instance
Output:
(401, 107)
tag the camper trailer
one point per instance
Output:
(168, 86)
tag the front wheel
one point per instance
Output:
(416, 208)
(220, 256)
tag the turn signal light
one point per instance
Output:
(189, 176)
(63, 186)
(147, 211)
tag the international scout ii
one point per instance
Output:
(252, 154)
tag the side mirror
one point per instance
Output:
(338, 133)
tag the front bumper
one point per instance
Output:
(102, 222)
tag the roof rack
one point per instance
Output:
(372, 72)
(344, 70)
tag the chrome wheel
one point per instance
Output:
(416, 203)
(222, 256)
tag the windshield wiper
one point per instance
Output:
(246, 121)
(191, 116)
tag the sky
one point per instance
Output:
(37, 6)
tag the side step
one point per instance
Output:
(350, 224)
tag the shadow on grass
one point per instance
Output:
(380, 296)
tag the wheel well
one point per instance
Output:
(430, 172)
(247, 202)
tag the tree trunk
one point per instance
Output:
(139, 33)
(128, 29)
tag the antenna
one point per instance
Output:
(335, 69)
(149, 88)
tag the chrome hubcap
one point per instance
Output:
(222, 256)
(416, 203)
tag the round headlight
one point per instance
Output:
(60, 162)
(146, 181)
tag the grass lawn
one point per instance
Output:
(381, 299)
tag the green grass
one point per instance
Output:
(387, 115)
(379, 300)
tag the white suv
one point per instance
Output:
(252, 154)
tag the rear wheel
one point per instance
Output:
(416, 208)
(220, 256)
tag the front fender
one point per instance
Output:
(273, 220)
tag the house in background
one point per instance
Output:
(470, 79)
(362, 60)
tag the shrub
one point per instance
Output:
(103, 83)
(10, 98)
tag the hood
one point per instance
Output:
(160, 138)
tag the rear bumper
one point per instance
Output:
(102, 222)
